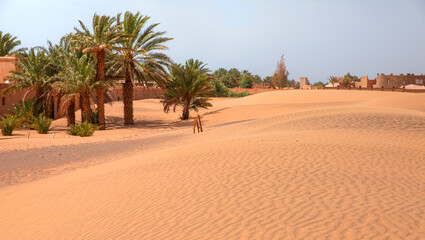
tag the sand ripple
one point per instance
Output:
(354, 172)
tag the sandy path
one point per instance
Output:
(348, 169)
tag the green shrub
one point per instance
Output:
(26, 111)
(237, 95)
(220, 90)
(84, 129)
(41, 124)
(8, 123)
(94, 117)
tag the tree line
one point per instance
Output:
(125, 46)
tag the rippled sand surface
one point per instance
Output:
(277, 165)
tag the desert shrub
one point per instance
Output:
(237, 95)
(83, 129)
(26, 111)
(8, 123)
(220, 90)
(41, 124)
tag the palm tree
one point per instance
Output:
(103, 38)
(188, 87)
(333, 79)
(75, 78)
(35, 74)
(79, 75)
(8, 43)
(138, 57)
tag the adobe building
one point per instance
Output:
(7, 64)
(303, 82)
(365, 82)
(397, 81)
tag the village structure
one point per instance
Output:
(410, 82)
(403, 81)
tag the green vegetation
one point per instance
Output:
(333, 79)
(234, 78)
(139, 58)
(319, 85)
(26, 110)
(188, 87)
(293, 84)
(348, 78)
(8, 123)
(237, 95)
(8, 44)
(99, 41)
(86, 60)
(41, 124)
(83, 129)
(35, 74)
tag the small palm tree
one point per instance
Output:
(139, 57)
(187, 86)
(103, 38)
(35, 74)
(8, 43)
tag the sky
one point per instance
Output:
(319, 38)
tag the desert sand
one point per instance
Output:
(328, 164)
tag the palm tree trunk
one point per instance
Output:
(39, 98)
(85, 106)
(70, 112)
(39, 94)
(100, 93)
(128, 98)
(186, 109)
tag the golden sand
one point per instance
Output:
(277, 165)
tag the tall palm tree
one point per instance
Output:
(139, 57)
(76, 74)
(103, 38)
(35, 74)
(187, 86)
(8, 43)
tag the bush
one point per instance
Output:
(220, 90)
(84, 129)
(41, 124)
(94, 117)
(8, 123)
(26, 111)
(237, 95)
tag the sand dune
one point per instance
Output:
(278, 165)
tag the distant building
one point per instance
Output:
(365, 82)
(385, 81)
(397, 81)
(303, 82)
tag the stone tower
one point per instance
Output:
(303, 81)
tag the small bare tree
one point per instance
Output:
(280, 76)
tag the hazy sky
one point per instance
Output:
(318, 37)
